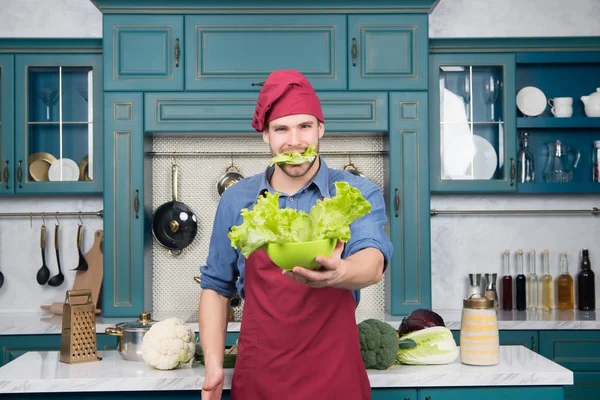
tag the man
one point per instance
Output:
(298, 338)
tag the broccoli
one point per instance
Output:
(378, 343)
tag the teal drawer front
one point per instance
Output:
(494, 393)
(393, 394)
(587, 386)
(574, 350)
(226, 52)
(233, 112)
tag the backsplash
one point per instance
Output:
(463, 244)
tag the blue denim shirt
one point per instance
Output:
(226, 265)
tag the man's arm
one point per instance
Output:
(213, 313)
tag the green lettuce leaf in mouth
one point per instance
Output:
(295, 157)
(329, 218)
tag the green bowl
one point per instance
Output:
(302, 254)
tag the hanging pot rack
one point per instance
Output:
(593, 211)
(56, 214)
(258, 154)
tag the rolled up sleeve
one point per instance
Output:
(220, 272)
(369, 230)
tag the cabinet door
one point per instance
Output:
(408, 203)
(124, 200)
(473, 133)
(237, 52)
(143, 52)
(387, 52)
(393, 394)
(6, 124)
(58, 114)
(494, 393)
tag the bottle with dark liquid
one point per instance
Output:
(521, 283)
(586, 299)
(565, 285)
(507, 284)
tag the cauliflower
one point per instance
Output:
(168, 343)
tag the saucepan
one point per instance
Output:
(130, 336)
(174, 224)
(231, 176)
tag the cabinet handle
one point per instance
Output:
(533, 345)
(397, 202)
(257, 83)
(428, 398)
(5, 175)
(354, 52)
(177, 53)
(512, 172)
(19, 174)
(136, 204)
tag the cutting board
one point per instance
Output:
(90, 279)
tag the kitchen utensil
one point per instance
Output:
(490, 288)
(131, 335)
(301, 254)
(83, 169)
(39, 164)
(43, 273)
(591, 104)
(485, 158)
(1, 279)
(353, 169)
(174, 224)
(82, 264)
(531, 101)
(58, 279)
(229, 178)
(90, 279)
(78, 336)
(474, 285)
(63, 170)
(479, 342)
(562, 160)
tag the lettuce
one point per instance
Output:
(329, 218)
(295, 157)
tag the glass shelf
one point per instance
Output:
(60, 124)
(551, 122)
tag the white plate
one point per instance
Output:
(455, 136)
(63, 169)
(531, 101)
(485, 159)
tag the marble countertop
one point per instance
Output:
(45, 323)
(37, 372)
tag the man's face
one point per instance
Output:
(294, 132)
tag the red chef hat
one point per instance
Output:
(285, 92)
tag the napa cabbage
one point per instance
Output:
(434, 345)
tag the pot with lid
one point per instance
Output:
(131, 335)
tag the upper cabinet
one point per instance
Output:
(6, 123)
(58, 124)
(388, 52)
(237, 52)
(473, 132)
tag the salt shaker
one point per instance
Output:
(479, 342)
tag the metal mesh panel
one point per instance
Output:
(174, 291)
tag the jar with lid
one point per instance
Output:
(479, 341)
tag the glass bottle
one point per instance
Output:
(565, 285)
(596, 162)
(547, 283)
(521, 283)
(532, 284)
(525, 160)
(586, 298)
(507, 284)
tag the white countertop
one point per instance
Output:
(42, 372)
(46, 323)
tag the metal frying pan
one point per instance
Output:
(174, 224)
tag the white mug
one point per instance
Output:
(562, 111)
(560, 101)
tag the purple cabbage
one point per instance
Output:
(419, 319)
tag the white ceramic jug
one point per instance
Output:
(592, 104)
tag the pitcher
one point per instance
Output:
(562, 160)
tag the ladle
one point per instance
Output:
(83, 265)
(43, 273)
(58, 279)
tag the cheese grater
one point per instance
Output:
(78, 337)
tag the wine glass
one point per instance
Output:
(48, 97)
(466, 92)
(492, 87)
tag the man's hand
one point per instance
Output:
(212, 389)
(331, 273)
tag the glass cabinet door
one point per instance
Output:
(473, 148)
(61, 143)
(6, 123)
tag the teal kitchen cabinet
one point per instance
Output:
(231, 112)
(237, 52)
(143, 52)
(6, 123)
(13, 346)
(58, 121)
(388, 52)
(578, 351)
(393, 394)
(494, 393)
(473, 123)
(408, 202)
(126, 206)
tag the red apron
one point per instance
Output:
(296, 342)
